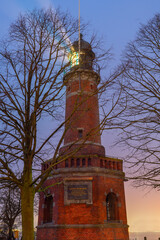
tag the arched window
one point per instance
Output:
(48, 209)
(112, 207)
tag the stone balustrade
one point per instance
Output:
(81, 162)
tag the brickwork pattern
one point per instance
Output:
(83, 234)
(83, 107)
(81, 214)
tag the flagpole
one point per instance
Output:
(79, 45)
(79, 30)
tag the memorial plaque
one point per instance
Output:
(77, 192)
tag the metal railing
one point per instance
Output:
(86, 65)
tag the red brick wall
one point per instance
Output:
(86, 114)
(85, 214)
(83, 234)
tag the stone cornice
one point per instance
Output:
(104, 225)
(87, 171)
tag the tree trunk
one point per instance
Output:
(10, 231)
(27, 207)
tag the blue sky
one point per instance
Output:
(117, 21)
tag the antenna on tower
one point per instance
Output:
(79, 47)
(79, 31)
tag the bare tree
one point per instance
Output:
(140, 104)
(32, 62)
(10, 208)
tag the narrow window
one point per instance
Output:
(48, 209)
(118, 167)
(89, 162)
(80, 133)
(78, 162)
(114, 165)
(110, 165)
(66, 163)
(111, 207)
(101, 163)
(106, 164)
(83, 162)
(72, 162)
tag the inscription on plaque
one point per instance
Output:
(77, 192)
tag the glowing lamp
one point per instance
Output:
(74, 58)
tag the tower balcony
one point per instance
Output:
(88, 65)
(81, 162)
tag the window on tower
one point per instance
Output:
(66, 163)
(80, 133)
(78, 162)
(112, 207)
(89, 162)
(72, 162)
(83, 162)
(48, 209)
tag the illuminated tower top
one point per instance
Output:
(86, 54)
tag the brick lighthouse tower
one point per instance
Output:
(84, 198)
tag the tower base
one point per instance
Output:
(106, 231)
(84, 200)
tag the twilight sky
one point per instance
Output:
(117, 21)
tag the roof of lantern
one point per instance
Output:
(84, 47)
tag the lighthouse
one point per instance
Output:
(84, 197)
